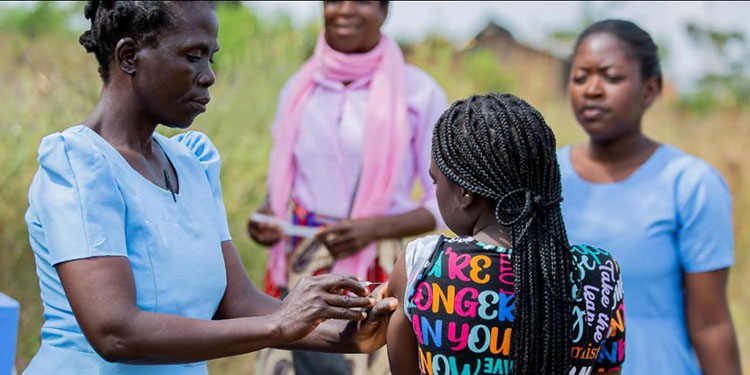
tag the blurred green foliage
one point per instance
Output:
(727, 83)
(41, 19)
(486, 75)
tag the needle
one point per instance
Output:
(368, 283)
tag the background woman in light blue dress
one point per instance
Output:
(137, 270)
(664, 214)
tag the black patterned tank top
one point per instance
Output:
(461, 301)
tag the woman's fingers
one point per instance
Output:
(344, 250)
(343, 306)
(382, 308)
(336, 282)
(263, 233)
(336, 228)
(340, 240)
(333, 231)
(349, 301)
(345, 313)
(380, 292)
(342, 246)
(265, 227)
(343, 240)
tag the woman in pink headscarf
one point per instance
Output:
(353, 131)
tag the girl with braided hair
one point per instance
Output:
(665, 214)
(136, 266)
(509, 294)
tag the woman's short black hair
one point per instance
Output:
(640, 44)
(114, 20)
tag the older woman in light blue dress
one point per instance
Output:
(137, 270)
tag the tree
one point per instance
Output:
(727, 79)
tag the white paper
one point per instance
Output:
(287, 228)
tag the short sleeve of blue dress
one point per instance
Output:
(77, 200)
(202, 147)
(704, 210)
(87, 201)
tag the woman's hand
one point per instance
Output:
(264, 233)
(348, 237)
(370, 334)
(317, 298)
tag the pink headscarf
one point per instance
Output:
(385, 139)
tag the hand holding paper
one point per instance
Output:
(286, 227)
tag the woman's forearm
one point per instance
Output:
(153, 338)
(412, 223)
(716, 348)
(161, 339)
(102, 294)
(709, 322)
(120, 331)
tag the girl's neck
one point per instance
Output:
(489, 231)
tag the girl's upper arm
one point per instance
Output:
(401, 342)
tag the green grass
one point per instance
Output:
(48, 82)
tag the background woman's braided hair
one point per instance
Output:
(499, 146)
(114, 20)
(639, 44)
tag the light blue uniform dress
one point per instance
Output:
(671, 216)
(87, 201)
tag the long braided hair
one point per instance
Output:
(499, 146)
